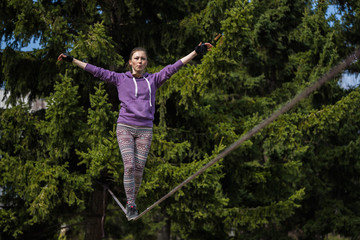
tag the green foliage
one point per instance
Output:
(37, 176)
(95, 45)
(330, 164)
(17, 153)
(11, 62)
(62, 125)
(335, 237)
(100, 117)
(195, 210)
(274, 214)
(100, 136)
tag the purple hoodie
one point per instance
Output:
(137, 95)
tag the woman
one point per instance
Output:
(136, 92)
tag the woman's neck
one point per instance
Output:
(137, 75)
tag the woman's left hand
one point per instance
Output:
(202, 48)
(209, 46)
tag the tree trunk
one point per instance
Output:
(94, 229)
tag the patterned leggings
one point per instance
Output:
(134, 143)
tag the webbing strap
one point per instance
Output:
(117, 200)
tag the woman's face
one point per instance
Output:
(138, 62)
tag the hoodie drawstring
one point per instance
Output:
(136, 88)
(149, 90)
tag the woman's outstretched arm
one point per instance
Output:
(68, 58)
(200, 49)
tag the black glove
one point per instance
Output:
(202, 49)
(68, 58)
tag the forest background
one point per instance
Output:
(296, 179)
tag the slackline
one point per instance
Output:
(326, 77)
(116, 200)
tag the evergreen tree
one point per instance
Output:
(101, 158)
(49, 182)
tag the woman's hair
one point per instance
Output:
(137, 49)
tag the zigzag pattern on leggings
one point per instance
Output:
(134, 143)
